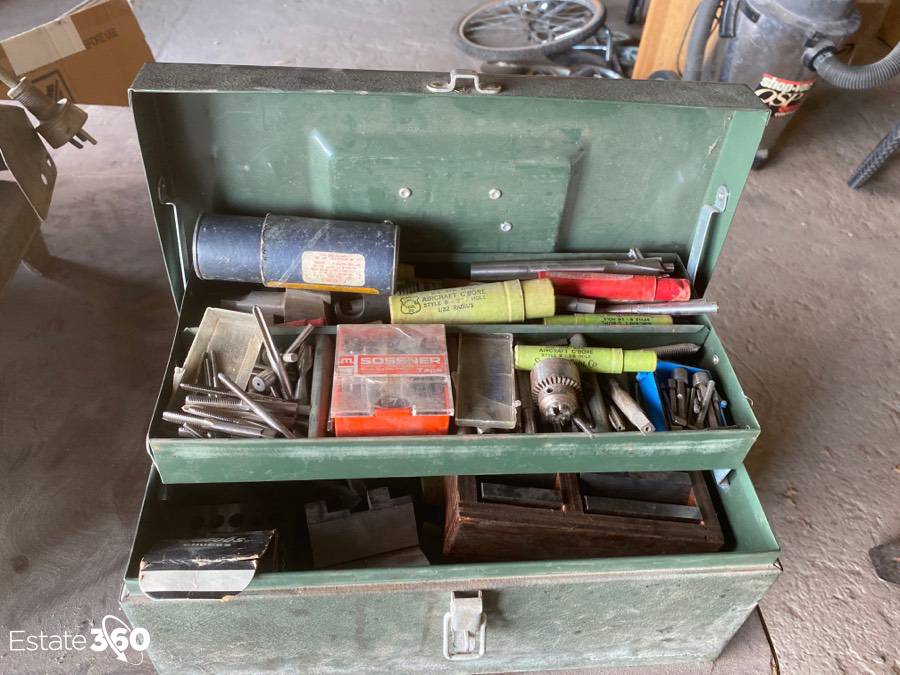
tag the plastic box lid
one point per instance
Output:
(391, 367)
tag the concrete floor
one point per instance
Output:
(808, 282)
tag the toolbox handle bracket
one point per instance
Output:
(162, 193)
(707, 213)
(465, 626)
(459, 78)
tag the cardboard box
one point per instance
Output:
(873, 13)
(890, 28)
(90, 54)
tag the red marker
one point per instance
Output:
(619, 287)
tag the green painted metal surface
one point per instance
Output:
(583, 165)
(181, 460)
(205, 461)
(557, 614)
(608, 620)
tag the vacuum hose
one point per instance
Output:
(823, 59)
(877, 158)
(706, 13)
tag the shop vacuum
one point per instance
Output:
(780, 48)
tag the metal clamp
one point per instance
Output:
(465, 626)
(707, 212)
(458, 79)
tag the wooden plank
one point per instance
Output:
(661, 42)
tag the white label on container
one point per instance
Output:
(330, 268)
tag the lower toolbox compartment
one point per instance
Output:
(606, 610)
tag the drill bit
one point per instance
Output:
(677, 349)
(243, 430)
(615, 419)
(686, 308)
(272, 353)
(596, 404)
(529, 421)
(681, 391)
(263, 414)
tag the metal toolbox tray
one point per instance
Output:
(571, 172)
(616, 611)
(181, 460)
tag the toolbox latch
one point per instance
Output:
(465, 626)
(461, 79)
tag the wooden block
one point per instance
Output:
(664, 39)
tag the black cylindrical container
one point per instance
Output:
(295, 252)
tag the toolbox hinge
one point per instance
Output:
(707, 213)
(465, 626)
(459, 79)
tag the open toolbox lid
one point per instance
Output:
(581, 165)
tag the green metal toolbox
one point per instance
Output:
(585, 167)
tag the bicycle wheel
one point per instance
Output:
(506, 30)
